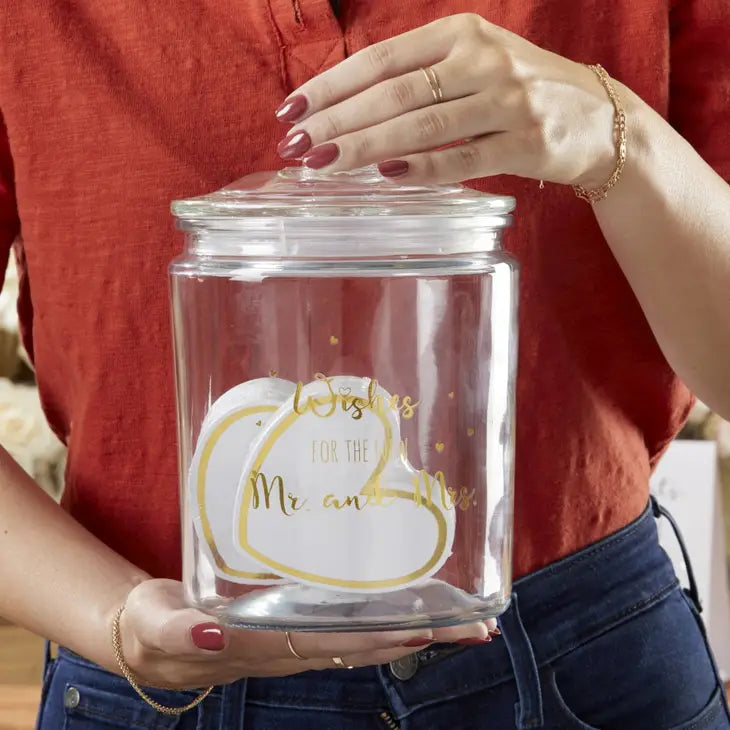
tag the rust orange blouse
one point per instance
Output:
(113, 109)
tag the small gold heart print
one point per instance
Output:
(439, 446)
(272, 373)
(258, 423)
(469, 431)
(451, 395)
(334, 340)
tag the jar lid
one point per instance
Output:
(298, 192)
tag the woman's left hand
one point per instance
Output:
(508, 107)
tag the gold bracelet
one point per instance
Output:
(129, 676)
(600, 193)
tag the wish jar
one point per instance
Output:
(345, 353)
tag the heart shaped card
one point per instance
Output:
(230, 427)
(327, 497)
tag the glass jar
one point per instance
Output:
(345, 353)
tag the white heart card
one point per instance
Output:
(326, 497)
(269, 391)
(229, 430)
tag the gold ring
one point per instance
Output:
(433, 82)
(340, 664)
(293, 651)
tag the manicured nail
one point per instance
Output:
(322, 156)
(208, 636)
(494, 632)
(393, 168)
(473, 641)
(292, 109)
(417, 642)
(294, 145)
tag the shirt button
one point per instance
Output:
(71, 698)
(405, 667)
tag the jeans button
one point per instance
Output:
(405, 667)
(71, 698)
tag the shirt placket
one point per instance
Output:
(310, 38)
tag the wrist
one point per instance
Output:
(600, 137)
(641, 127)
(626, 110)
(97, 644)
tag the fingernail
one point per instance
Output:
(322, 156)
(292, 109)
(393, 168)
(294, 145)
(417, 642)
(473, 641)
(494, 632)
(208, 636)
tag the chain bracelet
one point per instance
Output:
(129, 676)
(599, 193)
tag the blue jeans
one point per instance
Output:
(605, 639)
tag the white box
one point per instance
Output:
(686, 482)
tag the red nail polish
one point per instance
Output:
(322, 156)
(417, 642)
(292, 109)
(393, 168)
(294, 145)
(208, 636)
(474, 641)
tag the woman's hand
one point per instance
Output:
(167, 644)
(508, 107)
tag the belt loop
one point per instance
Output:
(691, 592)
(48, 666)
(529, 709)
(46, 658)
(233, 706)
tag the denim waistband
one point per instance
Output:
(554, 610)
(560, 607)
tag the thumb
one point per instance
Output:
(208, 636)
(158, 617)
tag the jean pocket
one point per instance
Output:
(711, 717)
(567, 719)
(653, 671)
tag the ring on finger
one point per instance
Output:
(433, 81)
(337, 660)
(291, 648)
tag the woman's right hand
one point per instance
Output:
(167, 644)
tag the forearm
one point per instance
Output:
(58, 580)
(506, 106)
(667, 222)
